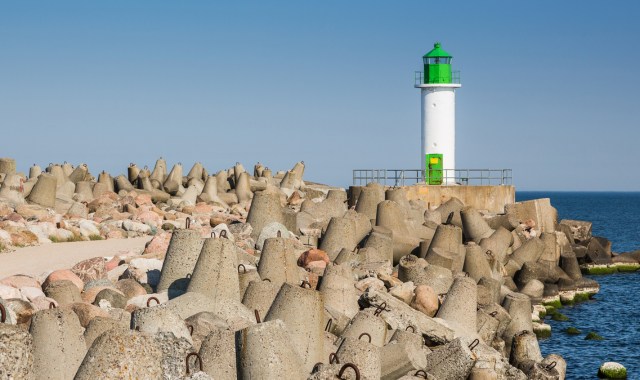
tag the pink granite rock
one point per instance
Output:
(64, 274)
(426, 300)
(21, 281)
(90, 269)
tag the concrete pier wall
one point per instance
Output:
(490, 198)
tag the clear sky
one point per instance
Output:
(549, 88)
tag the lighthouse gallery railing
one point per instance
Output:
(405, 177)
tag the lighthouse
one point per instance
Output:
(437, 85)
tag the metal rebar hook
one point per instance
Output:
(345, 367)
(197, 357)
(154, 299)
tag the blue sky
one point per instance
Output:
(550, 88)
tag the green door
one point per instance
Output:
(433, 175)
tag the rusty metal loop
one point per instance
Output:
(3, 313)
(493, 313)
(257, 314)
(489, 252)
(316, 367)
(474, 344)
(152, 298)
(223, 234)
(523, 332)
(266, 279)
(279, 233)
(380, 308)
(190, 327)
(52, 305)
(365, 334)
(466, 274)
(188, 223)
(420, 373)
(344, 368)
(329, 324)
(197, 357)
(413, 329)
(551, 366)
(305, 282)
(244, 269)
(213, 234)
(449, 218)
(333, 358)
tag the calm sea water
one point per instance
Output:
(615, 311)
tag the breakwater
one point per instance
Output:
(265, 275)
(616, 215)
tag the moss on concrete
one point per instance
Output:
(599, 269)
(572, 331)
(555, 304)
(581, 297)
(559, 317)
(627, 267)
(592, 335)
(612, 370)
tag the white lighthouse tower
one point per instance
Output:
(437, 86)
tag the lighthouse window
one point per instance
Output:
(437, 60)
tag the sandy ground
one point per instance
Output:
(44, 258)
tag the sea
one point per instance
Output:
(614, 313)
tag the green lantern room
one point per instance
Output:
(437, 65)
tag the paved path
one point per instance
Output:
(34, 261)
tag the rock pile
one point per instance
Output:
(268, 276)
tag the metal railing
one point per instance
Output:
(418, 77)
(405, 177)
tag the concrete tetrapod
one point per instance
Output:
(44, 191)
(454, 361)
(363, 354)
(368, 200)
(453, 205)
(218, 355)
(367, 322)
(120, 354)
(498, 243)
(420, 272)
(525, 351)
(339, 291)
(64, 292)
(16, 360)
(302, 311)
(265, 209)
(340, 234)
(518, 306)
(216, 271)
(174, 180)
(278, 262)
(474, 226)
(58, 344)
(12, 189)
(381, 239)
(243, 189)
(180, 261)
(391, 216)
(260, 295)
(398, 358)
(153, 320)
(265, 351)
(447, 237)
(476, 263)
(459, 307)
(7, 166)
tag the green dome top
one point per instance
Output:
(437, 52)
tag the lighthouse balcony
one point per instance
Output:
(456, 177)
(419, 79)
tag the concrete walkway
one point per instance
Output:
(34, 261)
